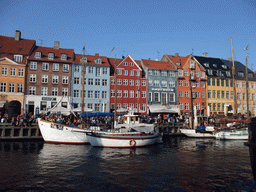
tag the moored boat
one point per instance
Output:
(123, 139)
(60, 133)
(232, 134)
(205, 132)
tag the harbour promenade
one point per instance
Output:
(10, 132)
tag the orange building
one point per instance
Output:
(12, 82)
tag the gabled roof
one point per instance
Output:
(57, 54)
(178, 59)
(91, 59)
(11, 46)
(5, 60)
(151, 64)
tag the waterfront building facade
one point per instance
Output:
(13, 60)
(161, 86)
(96, 83)
(131, 85)
(240, 83)
(48, 79)
(191, 82)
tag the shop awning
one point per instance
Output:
(164, 109)
(2, 104)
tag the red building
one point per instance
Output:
(131, 85)
(191, 79)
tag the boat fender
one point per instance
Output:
(132, 142)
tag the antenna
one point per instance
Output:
(192, 51)
(158, 55)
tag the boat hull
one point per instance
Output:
(59, 133)
(234, 135)
(193, 133)
(123, 140)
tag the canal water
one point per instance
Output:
(179, 164)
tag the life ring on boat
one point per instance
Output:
(132, 142)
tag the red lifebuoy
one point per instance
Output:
(132, 142)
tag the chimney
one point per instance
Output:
(176, 54)
(17, 35)
(97, 54)
(205, 54)
(56, 45)
(230, 58)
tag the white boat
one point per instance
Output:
(232, 134)
(207, 133)
(123, 139)
(60, 133)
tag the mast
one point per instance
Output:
(192, 105)
(83, 73)
(234, 83)
(138, 104)
(247, 84)
(115, 122)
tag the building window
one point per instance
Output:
(97, 71)
(38, 55)
(32, 91)
(97, 107)
(43, 105)
(12, 71)
(76, 93)
(33, 65)
(64, 57)
(18, 58)
(125, 82)
(150, 83)
(97, 94)
(104, 82)
(137, 73)
(131, 94)
(186, 94)
(156, 97)
(45, 66)
(20, 72)
(125, 64)
(90, 94)
(65, 67)
(150, 72)
(181, 106)
(19, 88)
(202, 74)
(64, 79)
(150, 96)
(172, 97)
(50, 56)
(104, 94)
(164, 73)
(156, 73)
(54, 91)
(97, 81)
(105, 70)
(209, 94)
(180, 93)
(164, 83)
(76, 80)
(156, 83)
(119, 93)
(119, 81)
(137, 82)
(180, 72)
(76, 68)
(90, 81)
(172, 84)
(55, 79)
(55, 67)
(112, 81)
(202, 95)
(143, 83)
(90, 69)
(44, 91)
(64, 92)
(44, 78)
(180, 83)
(186, 106)
(32, 78)
(131, 82)
(11, 87)
(98, 61)
(131, 73)
(131, 64)
(112, 93)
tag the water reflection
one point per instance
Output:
(179, 164)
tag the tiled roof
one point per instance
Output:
(11, 46)
(157, 64)
(113, 60)
(178, 59)
(57, 54)
(91, 59)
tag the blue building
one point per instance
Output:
(96, 83)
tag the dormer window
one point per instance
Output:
(192, 64)
(214, 65)
(64, 57)
(38, 55)
(206, 64)
(98, 61)
(85, 60)
(240, 74)
(18, 58)
(224, 66)
(50, 56)
(178, 64)
(228, 73)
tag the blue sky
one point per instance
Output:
(141, 28)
